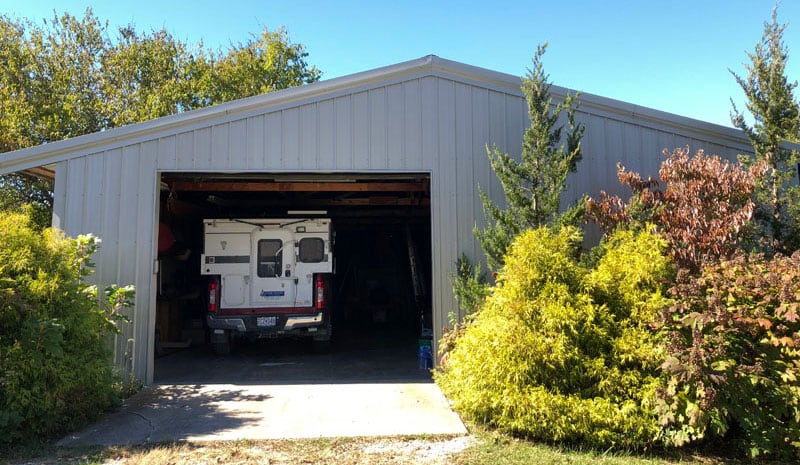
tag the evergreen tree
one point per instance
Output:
(776, 119)
(533, 184)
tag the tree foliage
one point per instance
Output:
(532, 184)
(55, 370)
(731, 332)
(69, 77)
(699, 206)
(469, 286)
(734, 344)
(776, 119)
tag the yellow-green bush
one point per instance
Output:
(562, 351)
(55, 368)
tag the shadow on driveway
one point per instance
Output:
(279, 390)
(163, 413)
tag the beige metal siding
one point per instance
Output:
(608, 141)
(112, 195)
(430, 123)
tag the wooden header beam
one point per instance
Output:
(353, 202)
(228, 186)
(41, 172)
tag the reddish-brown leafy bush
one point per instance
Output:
(704, 204)
(735, 354)
(732, 329)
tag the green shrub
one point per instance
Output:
(54, 352)
(561, 351)
(735, 356)
(470, 286)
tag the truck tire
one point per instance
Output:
(220, 342)
(221, 348)
(322, 346)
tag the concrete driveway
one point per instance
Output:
(280, 390)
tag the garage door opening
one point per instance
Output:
(381, 299)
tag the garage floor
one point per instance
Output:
(367, 386)
(354, 357)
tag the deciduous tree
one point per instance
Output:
(701, 211)
(68, 77)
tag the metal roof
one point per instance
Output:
(53, 152)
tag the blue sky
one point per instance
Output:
(672, 55)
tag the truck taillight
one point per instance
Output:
(320, 290)
(212, 296)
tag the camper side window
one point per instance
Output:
(312, 250)
(270, 264)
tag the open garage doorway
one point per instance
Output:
(381, 286)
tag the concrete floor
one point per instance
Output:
(365, 386)
(354, 357)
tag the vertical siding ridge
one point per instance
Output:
(386, 120)
(246, 123)
(282, 154)
(421, 154)
(487, 96)
(335, 129)
(352, 131)
(298, 140)
(60, 195)
(194, 149)
(369, 129)
(301, 141)
(318, 145)
(265, 140)
(403, 133)
(228, 144)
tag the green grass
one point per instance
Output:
(484, 448)
(494, 448)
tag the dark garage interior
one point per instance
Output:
(381, 245)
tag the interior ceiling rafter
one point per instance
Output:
(304, 186)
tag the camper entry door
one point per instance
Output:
(274, 280)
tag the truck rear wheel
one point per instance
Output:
(322, 346)
(220, 342)
(221, 348)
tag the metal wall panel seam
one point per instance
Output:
(75, 203)
(480, 163)
(447, 162)
(129, 215)
(147, 212)
(60, 194)
(403, 130)
(465, 176)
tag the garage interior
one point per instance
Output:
(382, 243)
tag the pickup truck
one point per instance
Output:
(267, 278)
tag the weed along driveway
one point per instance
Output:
(279, 390)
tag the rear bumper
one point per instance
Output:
(311, 324)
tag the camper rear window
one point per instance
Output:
(269, 258)
(312, 250)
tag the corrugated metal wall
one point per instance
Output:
(431, 124)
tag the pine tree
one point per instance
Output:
(533, 184)
(776, 119)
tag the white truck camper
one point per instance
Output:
(267, 278)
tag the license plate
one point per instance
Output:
(266, 321)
